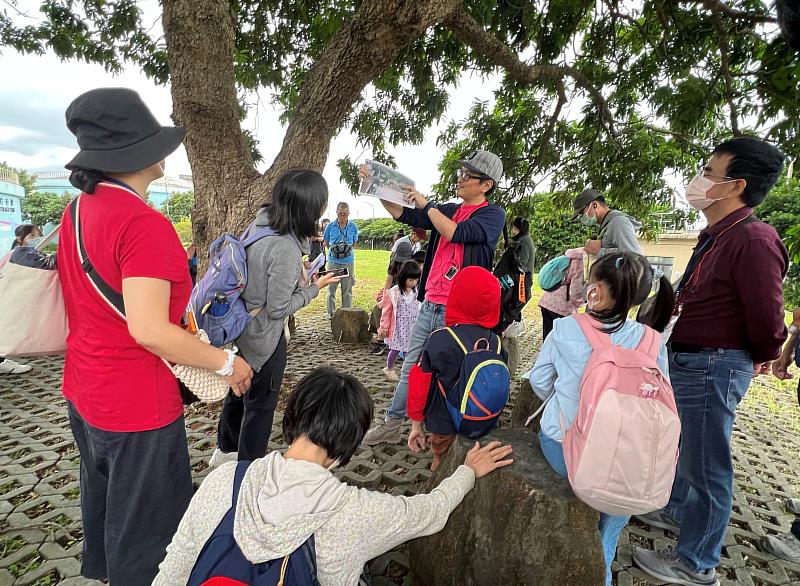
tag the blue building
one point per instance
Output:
(160, 190)
(11, 196)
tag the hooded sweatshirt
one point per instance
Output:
(618, 233)
(282, 502)
(473, 308)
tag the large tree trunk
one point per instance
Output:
(200, 48)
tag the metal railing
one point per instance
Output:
(9, 176)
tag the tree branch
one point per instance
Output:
(363, 48)
(486, 44)
(719, 7)
(725, 72)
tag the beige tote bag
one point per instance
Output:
(33, 319)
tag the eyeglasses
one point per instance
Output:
(466, 175)
(704, 172)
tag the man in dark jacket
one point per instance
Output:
(462, 234)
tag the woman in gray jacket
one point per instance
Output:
(275, 290)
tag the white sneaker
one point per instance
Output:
(218, 458)
(12, 367)
(390, 373)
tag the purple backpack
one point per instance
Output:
(216, 303)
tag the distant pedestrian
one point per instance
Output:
(340, 238)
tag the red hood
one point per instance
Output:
(474, 298)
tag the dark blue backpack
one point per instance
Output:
(481, 394)
(222, 563)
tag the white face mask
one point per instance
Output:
(591, 299)
(698, 188)
(34, 242)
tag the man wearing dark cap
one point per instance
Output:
(617, 229)
(462, 234)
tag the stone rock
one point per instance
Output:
(350, 325)
(375, 319)
(512, 347)
(520, 525)
(526, 403)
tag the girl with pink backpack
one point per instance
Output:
(605, 381)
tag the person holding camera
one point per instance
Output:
(340, 238)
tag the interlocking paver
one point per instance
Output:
(40, 534)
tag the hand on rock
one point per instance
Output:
(485, 459)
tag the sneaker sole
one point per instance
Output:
(671, 580)
(660, 525)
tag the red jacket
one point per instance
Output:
(474, 299)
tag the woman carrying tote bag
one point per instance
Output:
(275, 291)
(126, 284)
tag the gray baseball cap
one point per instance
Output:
(485, 163)
(585, 197)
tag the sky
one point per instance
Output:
(37, 90)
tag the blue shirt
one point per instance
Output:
(560, 367)
(333, 234)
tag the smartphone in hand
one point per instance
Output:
(343, 272)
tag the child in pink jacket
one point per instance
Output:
(567, 299)
(399, 309)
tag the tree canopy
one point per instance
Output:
(612, 94)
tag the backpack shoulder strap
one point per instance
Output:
(252, 235)
(650, 343)
(499, 345)
(458, 340)
(241, 468)
(593, 335)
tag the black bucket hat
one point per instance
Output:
(117, 133)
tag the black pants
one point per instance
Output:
(548, 317)
(135, 488)
(245, 423)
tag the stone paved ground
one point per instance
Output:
(40, 530)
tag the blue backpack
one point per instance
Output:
(481, 394)
(552, 274)
(216, 304)
(222, 563)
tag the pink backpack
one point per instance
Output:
(622, 448)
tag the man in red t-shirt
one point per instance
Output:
(462, 234)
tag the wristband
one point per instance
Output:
(227, 368)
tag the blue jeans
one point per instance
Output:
(430, 317)
(708, 387)
(610, 525)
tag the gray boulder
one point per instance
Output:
(520, 525)
(350, 325)
(525, 404)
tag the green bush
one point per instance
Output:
(381, 229)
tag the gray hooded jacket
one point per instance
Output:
(618, 233)
(274, 268)
(283, 501)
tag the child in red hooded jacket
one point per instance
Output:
(473, 308)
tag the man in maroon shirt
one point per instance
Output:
(730, 326)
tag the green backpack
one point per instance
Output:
(551, 275)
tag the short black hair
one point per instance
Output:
(522, 225)
(409, 270)
(297, 201)
(756, 161)
(332, 409)
(419, 256)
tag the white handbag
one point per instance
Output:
(33, 319)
